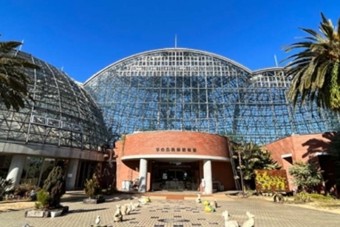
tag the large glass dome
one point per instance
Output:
(63, 114)
(185, 89)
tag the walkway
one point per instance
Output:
(176, 212)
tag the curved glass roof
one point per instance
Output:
(185, 89)
(63, 113)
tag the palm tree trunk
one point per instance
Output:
(335, 87)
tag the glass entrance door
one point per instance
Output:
(174, 176)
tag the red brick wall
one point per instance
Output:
(305, 146)
(302, 148)
(281, 147)
(222, 172)
(149, 142)
(123, 171)
(129, 171)
(152, 143)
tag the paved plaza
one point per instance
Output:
(177, 211)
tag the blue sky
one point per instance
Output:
(83, 37)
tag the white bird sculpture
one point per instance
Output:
(227, 222)
(198, 198)
(97, 220)
(251, 220)
(118, 217)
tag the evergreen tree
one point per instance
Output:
(55, 185)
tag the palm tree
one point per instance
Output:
(13, 76)
(315, 70)
(251, 157)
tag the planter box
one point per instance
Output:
(36, 214)
(56, 213)
(46, 213)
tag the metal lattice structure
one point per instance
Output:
(185, 89)
(63, 114)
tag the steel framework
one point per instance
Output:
(185, 89)
(63, 113)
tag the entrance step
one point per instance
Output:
(175, 197)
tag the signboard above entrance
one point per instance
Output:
(175, 149)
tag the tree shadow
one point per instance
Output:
(318, 145)
(116, 197)
(73, 199)
(86, 210)
(121, 196)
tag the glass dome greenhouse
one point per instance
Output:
(63, 113)
(186, 89)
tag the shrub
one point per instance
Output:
(320, 197)
(306, 175)
(5, 186)
(43, 198)
(91, 187)
(302, 197)
(23, 190)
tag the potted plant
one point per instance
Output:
(92, 190)
(49, 196)
(41, 206)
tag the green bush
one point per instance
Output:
(91, 187)
(23, 190)
(306, 176)
(320, 197)
(302, 197)
(43, 198)
(55, 185)
(5, 186)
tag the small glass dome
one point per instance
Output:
(63, 113)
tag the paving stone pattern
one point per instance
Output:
(178, 213)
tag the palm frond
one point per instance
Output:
(311, 68)
(6, 47)
(14, 78)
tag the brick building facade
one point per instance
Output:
(304, 148)
(174, 160)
